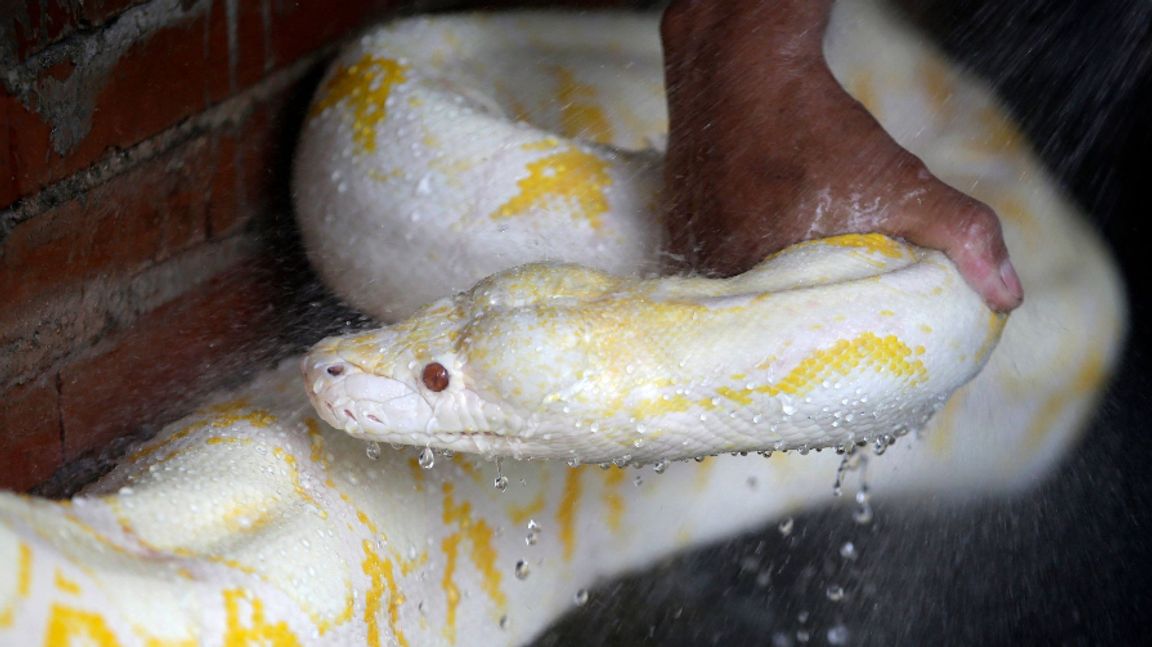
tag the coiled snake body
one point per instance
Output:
(440, 151)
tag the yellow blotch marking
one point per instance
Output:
(257, 630)
(24, 571)
(407, 566)
(297, 485)
(613, 499)
(882, 354)
(1086, 381)
(925, 328)
(1012, 209)
(566, 512)
(521, 514)
(995, 323)
(227, 440)
(944, 425)
(876, 243)
(365, 86)
(483, 557)
(68, 626)
(703, 473)
(674, 403)
(64, 584)
(580, 116)
(887, 313)
(225, 414)
(863, 89)
(417, 472)
(1000, 134)
(467, 467)
(739, 396)
(379, 571)
(241, 517)
(23, 582)
(152, 641)
(571, 176)
(938, 81)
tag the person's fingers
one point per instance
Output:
(967, 231)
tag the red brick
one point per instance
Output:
(137, 218)
(30, 435)
(44, 22)
(156, 83)
(152, 372)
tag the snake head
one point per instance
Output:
(402, 384)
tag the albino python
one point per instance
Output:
(441, 150)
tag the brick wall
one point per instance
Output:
(146, 245)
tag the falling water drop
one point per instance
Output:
(838, 635)
(427, 458)
(581, 597)
(522, 570)
(863, 513)
(660, 466)
(848, 550)
(835, 592)
(786, 526)
(500, 482)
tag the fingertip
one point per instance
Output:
(1012, 292)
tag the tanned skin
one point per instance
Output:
(766, 149)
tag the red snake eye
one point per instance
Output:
(435, 377)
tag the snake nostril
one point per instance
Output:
(348, 412)
(336, 370)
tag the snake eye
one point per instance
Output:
(435, 377)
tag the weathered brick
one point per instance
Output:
(152, 372)
(160, 79)
(30, 434)
(32, 26)
(138, 218)
(60, 269)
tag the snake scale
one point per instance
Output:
(440, 151)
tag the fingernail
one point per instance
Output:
(1011, 281)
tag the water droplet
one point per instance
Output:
(802, 635)
(427, 458)
(522, 570)
(660, 466)
(835, 592)
(637, 481)
(373, 451)
(838, 635)
(504, 622)
(581, 597)
(500, 483)
(533, 535)
(786, 526)
(863, 513)
(848, 550)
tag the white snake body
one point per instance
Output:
(826, 344)
(252, 520)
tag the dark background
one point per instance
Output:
(1066, 563)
